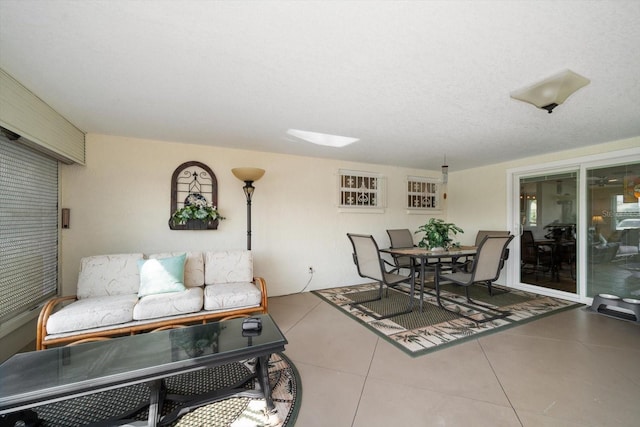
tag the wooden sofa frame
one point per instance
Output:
(200, 317)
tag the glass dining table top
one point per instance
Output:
(44, 375)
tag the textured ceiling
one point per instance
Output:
(412, 80)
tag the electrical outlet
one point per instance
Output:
(311, 270)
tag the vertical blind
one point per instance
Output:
(28, 228)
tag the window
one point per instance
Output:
(361, 189)
(28, 228)
(423, 193)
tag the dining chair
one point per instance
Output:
(366, 256)
(482, 233)
(486, 266)
(466, 265)
(402, 238)
(533, 257)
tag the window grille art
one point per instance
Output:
(422, 193)
(358, 189)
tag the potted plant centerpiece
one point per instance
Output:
(436, 234)
(197, 213)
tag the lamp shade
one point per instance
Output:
(248, 174)
(553, 91)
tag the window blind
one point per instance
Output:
(28, 228)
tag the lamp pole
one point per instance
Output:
(248, 176)
(248, 192)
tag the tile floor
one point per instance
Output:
(573, 368)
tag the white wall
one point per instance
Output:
(120, 202)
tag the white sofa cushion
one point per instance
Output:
(227, 296)
(170, 304)
(105, 275)
(228, 267)
(193, 267)
(92, 313)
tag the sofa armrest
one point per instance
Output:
(46, 311)
(262, 285)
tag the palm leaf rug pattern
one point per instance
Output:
(419, 333)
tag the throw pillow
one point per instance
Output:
(159, 276)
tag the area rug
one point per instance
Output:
(241, 411)
(419, 333)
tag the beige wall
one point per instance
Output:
(120, 202)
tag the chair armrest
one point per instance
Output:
(392, 265)
(262, 285)
(46, 311)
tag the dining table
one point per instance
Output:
(421, 258)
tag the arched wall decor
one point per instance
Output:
(193, 181)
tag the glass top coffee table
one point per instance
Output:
(40, 377)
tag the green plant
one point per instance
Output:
(195, 208)
(436, 234)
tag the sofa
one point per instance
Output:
(125, 294)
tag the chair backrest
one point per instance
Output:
(482, 233)
(401, 238)
(488, 260)
(366, 256)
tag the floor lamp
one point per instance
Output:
(248, 175)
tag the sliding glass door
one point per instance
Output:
(613, 204)
(548, 228)
(577, 226)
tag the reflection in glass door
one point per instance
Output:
(548, 224)
(613, 204)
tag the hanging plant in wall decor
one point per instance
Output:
(194, 195)
(197, 210)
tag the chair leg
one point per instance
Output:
(494, 292)
(378, 298)
(499, 314)
(359, 306)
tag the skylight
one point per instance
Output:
(322, 138)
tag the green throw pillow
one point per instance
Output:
(162, 275)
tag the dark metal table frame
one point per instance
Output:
(40, 377)
(424, 255)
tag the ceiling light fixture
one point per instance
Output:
(335, 141)
(552, 91)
